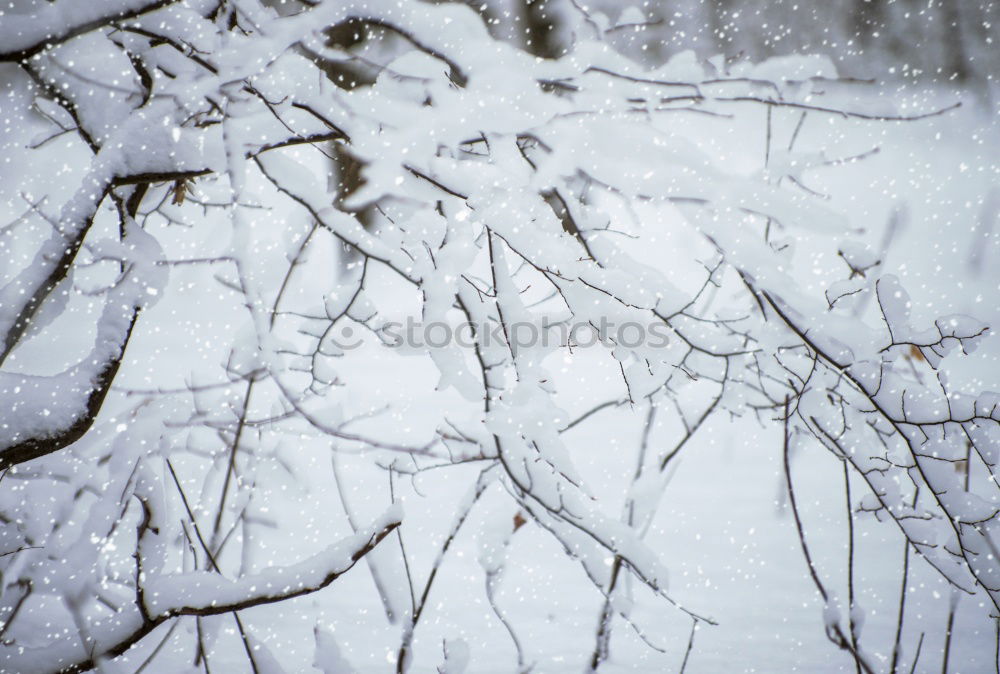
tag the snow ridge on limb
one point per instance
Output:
(205, 593)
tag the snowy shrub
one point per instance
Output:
(196, 154)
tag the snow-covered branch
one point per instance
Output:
(171, 596)
(335, 184)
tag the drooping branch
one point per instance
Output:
(834, 631)
(207, 594)
(52, 438)
(59, 22)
